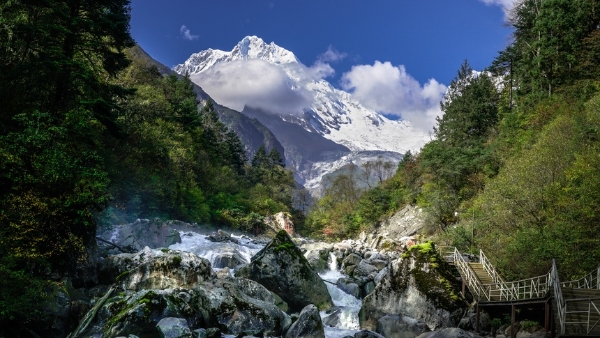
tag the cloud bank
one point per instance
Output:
(259, 84)
(391, 90)
(186, 34)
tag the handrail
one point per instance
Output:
(560, 302)
(489, 268)
(589, 281)
(531, 288)
(465, 271)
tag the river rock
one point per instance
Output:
(348, 286)
(240, 314)
(308, 324)
(217, 303)
(367, 334)
(397, 326)
(142, 233)
(170, 327)
(281, 268)
(317, 255)
(451, 332)
(332, 317)
(229, 257)
(418, 285)
(351, 259)
(364, 269)
(160, 270)
(139, 313)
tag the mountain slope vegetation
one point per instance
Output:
(91, 133)
(514, 166)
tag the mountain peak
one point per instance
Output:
(253, 47)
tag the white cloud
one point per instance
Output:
(332, 55)
(391, 90)
(255, 83)
(186, 34)
(259, 84)
(506, 5)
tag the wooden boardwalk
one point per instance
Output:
(572, 308)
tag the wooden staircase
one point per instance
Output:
(485, 279)
(576, 304)
(582, 312)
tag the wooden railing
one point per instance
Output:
(589, 281)
(592, 307)
(451, 254)
(489, 268)
(532, 288)
(536, 287)
(560, 302)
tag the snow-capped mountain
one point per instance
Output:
(319, 109)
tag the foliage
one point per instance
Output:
(58, 59)
(513, 167)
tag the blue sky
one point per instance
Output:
(429, 37)
(393, 56)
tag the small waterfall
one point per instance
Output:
(332, 261)
(348, 305)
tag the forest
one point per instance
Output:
(514, 166)
(92, 134)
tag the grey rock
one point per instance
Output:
(332, 317)
(380, 275)
(171, 327)
(281, 268)
(415, 288)
(367, 288)
(351, 259)
(157, 270)
(363, 269)
(378, 263)
(230, 258)
(348, 286)
(367, 334)
(397, 326)
(446, 333)
(142, 233)
(308, 324)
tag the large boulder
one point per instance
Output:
(238, 313)
(156, 269)
(281, 268)
(141, 233)
(228, 257)
(139, 313)
(308, 325)
(234, 307)
(419, 285)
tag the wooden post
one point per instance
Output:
(464, 287)
(552, 321)
(513, 331)
(477, 319)
(547, 316)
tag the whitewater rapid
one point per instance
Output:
(346, 305)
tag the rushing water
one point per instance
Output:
(347, 306)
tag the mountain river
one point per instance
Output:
(346, 306)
